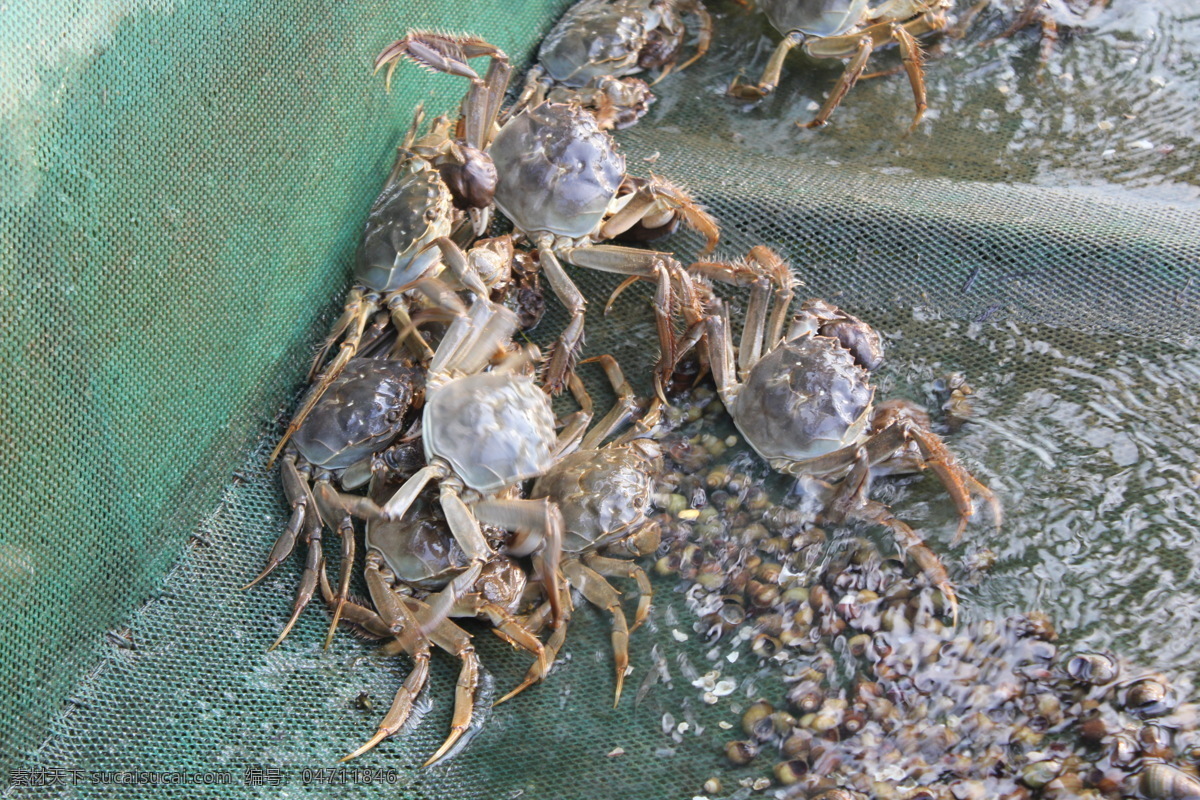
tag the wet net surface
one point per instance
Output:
(172, 254)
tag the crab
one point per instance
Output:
(559, 178)
(804, 402)
(1052, 16)
(363, 412)
(487, 428)
(559, 182)
(414, 556)
(439, 180)
(605, 496)
(848, 30)
(594, 51)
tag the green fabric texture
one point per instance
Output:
(183, 185)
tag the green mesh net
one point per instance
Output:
(183, 189)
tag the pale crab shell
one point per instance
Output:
(804, 399)
(493, 429)
(362, 410)
(408, 215)
(818, 18)
(596, 38)
(602, 494)
(558, 171)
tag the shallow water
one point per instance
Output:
(1090, 442)
(1114, 108)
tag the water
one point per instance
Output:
(1088, 438)
(1113, 110)
(1090, 442)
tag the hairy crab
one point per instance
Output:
(803, 400)
(407, 560)
(594, 51)
(559, 180)
(487, 428)
(409, 238)
(1051, 16)
(848, 30)
(604, 494)
(362, 413)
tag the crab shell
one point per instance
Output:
(362, 410)
(597, 38)
(558, 171)
(602, 494)
(418, 547)
(817, 18)
(421, 551)
(805, 398)
(493, 429)
(502, 582)
(408, 215)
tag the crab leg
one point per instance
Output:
(454, 259)
(761, 263)
(314, 564)
(538, 671)
(723, 370)
(355, 303)
(884, 444)
(601, 594)
(845, 83)
(454, 640)
(770, 77)
(647, 264)
(359, 310)
(328, 502)
(438, 52)
(623, 409)
(619, 568)
(506, 626)
(850, 501)
(482, 106)
(447, 636)
(668, 342)
(403, 626)
(755, 326)
(464, 696)
(397, 305)
(295, 486)
(399, 502)
(574, 426)
(910, 54)
(566, 349)
(655, 199)
(614, 258)
(532, 93)
(958, 482)
(488, 326)
(704, 37)
(541, 525)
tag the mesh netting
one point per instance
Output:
(184, 189)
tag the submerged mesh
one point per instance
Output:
(184, 186)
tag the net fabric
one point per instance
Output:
(184, 190)
(215, 240)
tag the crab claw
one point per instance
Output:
(437, 52)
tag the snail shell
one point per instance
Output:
(1095, 669)
(1164, 782)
